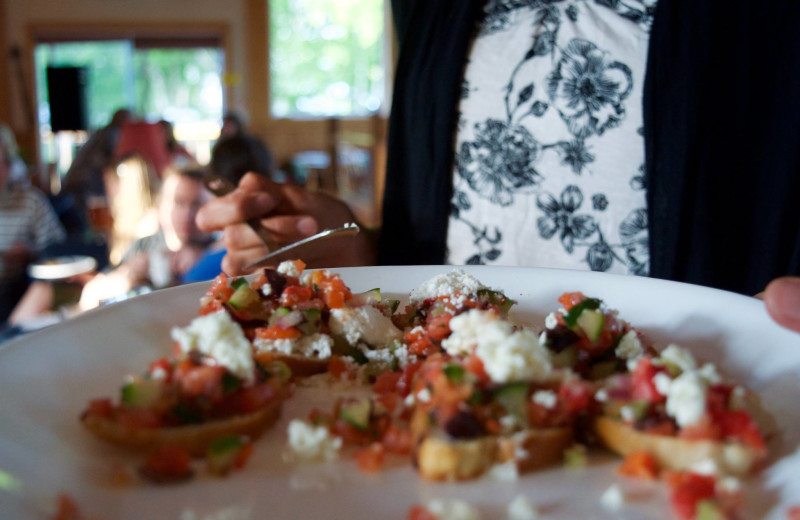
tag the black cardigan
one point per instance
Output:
(722, 125)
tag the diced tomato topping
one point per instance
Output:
(439, 326)
(350, 434)
(397, 440)
(687, 490)
(474, 365)
(793, 513)
(219, 289)
(276, 332)
(386, 382)
(243, 456)
(250, 399)
(295, 294)
(139, 419)
(67, 508)
(371, 458)
(205, 380)
(100, 408)
(210, 307)
(740, 425)
(389, 400)
(639, 464)
(337, 367)
(299, 265)
(418, 512)
(575, 396)
(570, 299)
(407, 379)
(168, 462)
(334, 290)
(643, 386)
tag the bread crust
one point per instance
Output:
(193, 438)
(676, 453)
(300, 366)
(439, 457)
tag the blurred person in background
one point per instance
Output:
(28, 225)
(85, 175)
(231, 159)
(179, 157)
(159, 260)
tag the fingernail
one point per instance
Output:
(307, 226)
(787, 298)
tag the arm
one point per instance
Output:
(290, 213)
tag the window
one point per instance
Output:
(326, 57)
(157, 79)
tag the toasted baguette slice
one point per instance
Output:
(676, 453)
(194, 438)
(301, 366)
(438, 457)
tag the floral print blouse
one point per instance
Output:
(549, 149)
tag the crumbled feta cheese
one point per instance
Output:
(729, 485)
(409, 400)
(551, 321)
(627, 413)
(705, 467)
(546, 398)
(507, 355)
(452, 510)
(601, 395)
(737, 458)
(470, 327)
(158, 373)
(288, 268)
(662, 382)
(629, 346)
(709, 372)
(423, 396)
(613, 499)
(451, 284)
(218, 336)
(686, 398)
(679, 357)
(521, 509)
(266, 289)
(316, 346)
(367, 324)
(738, 399)
(505, 472)
(508, 423)
(631, 364)
(312, 443)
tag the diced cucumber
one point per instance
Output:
(223, 452)
(357, 413)
(571, 317)
(239, 282)
(277, 314)
(575, 456)
(709, 510)
(358, 356)
(634, 411)
(455, 373)
(141, 393)
(243, 296)
(591, 321)
(371, 296)
(514, 398)
(566, 358)
(497, 298)
(311, 319)
(392, 305)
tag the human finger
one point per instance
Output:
(284, 230)
(782, 300)
(234, 262)
(237, 206)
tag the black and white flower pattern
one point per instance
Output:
(566, 93)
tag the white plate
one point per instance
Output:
(47, 378)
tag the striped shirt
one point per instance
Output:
(26, 219)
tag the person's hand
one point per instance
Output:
(290, 213)
(782, 299)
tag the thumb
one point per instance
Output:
(782, 299)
